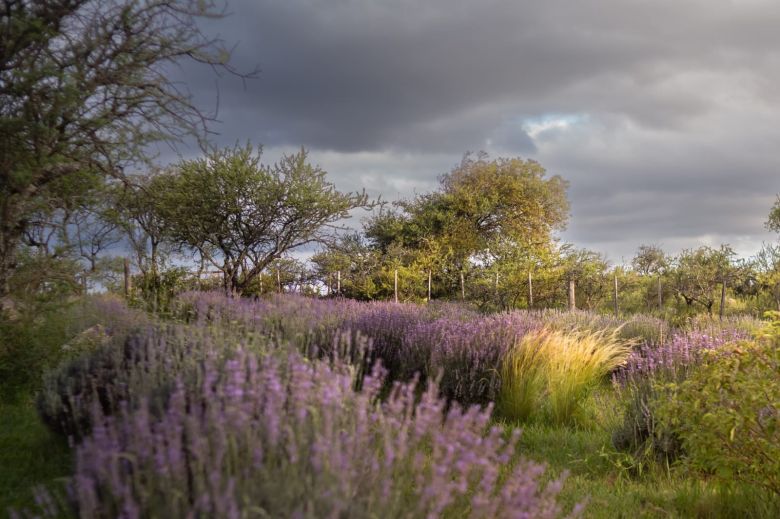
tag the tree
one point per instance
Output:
(349, 267)
(85, 87)
(773, 222)
(242, 215)
(698, 272)
(767, 266)
(589, 271)
(651, 261)
(484, 211)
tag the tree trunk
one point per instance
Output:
(429, 286)
(530, 291)
(201, 267)
(722, 299)
(395, 285)
(128, 281)
(660, 296)
(462, 287)
(10, 236)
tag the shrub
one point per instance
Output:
(286, 437)
(40, 338)
(125, 372)
(649, 367)
(555, 371)
(727, 414)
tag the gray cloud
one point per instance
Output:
(664, 115)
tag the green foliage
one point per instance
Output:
(728, 415)
(30, 455)
(42, 336)
(155, 290)
(698, 272)
(773, 221)
(349, 268)
(650, 260)
(589, 270)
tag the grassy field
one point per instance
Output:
(30, 455)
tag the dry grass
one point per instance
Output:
(552, 372)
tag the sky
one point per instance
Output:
(664, 115)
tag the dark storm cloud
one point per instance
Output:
(663, 114)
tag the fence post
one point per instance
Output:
(572, 299)
(395, 284)
(338, 283)
(462, 287)
(617, 307)
(722, 298)
(429, 285)
(530, 291)
(128, 281)
(660, 295)
(279, 280)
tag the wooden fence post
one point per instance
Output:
(429, 285)
(530, 291)
(617, 307)
(660, 295)
(462, 287)
(722, 298)
(279, 280)
(338, 283)
(572, 298)
(395, 284)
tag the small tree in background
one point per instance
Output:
(241, 215)
(773, 221)
(698, 273)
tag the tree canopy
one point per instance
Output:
(482, 207)
(241, 215)
(85, 87)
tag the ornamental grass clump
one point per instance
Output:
(551, 373)
(645, 329)
(281, 436)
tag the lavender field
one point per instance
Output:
(303, 407)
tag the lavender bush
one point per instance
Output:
(286, 437)
(467, 355)
(126, 370)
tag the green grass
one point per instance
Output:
(29, 455)
(614, 488)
